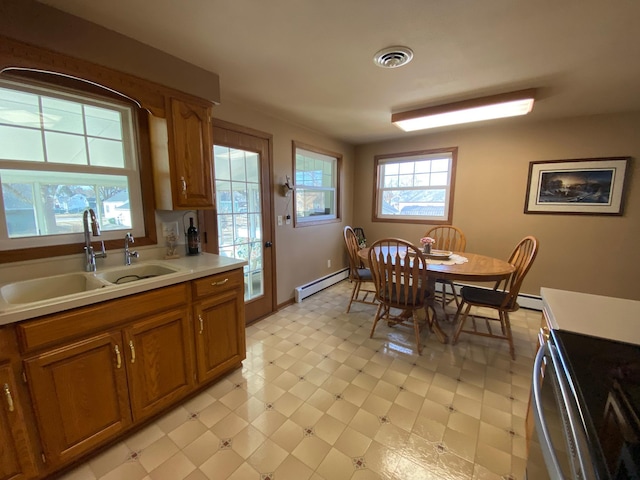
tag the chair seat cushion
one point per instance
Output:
(365, 274)
(400, 299)
(482, 296)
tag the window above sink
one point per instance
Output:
(60, 153)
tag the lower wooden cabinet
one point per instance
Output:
(16, 456)
(89, 391)
(219, 323)
(159, 359)
(80, 395)
(98, 371)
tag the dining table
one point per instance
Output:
(460, 266)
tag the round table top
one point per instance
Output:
(479, 268)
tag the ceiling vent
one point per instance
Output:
(393, 57)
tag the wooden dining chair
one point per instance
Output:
(448, 238)
(358, 274)
(503, 297)
(399, 273)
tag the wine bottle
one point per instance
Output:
(193, 239)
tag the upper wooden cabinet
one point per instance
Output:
(182, 150)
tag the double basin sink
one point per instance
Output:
(47, 288)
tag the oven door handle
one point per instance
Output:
(583, 456)
(550, 458)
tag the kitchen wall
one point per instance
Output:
(38, 24)
(583, 253)
(593, 254)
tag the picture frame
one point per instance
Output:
(590, 186)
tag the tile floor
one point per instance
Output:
(317, 399)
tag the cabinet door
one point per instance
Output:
(220, 334)
(159, 360)
(192, 150)
(16, 457)
(79, 395)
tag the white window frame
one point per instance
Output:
(130, 170)
(406, 158)
(300, 152)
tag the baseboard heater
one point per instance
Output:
(310, 288)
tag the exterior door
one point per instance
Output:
(243, 219)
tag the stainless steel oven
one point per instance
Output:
(585, 407)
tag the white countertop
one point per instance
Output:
(188, 268)
(599, 316)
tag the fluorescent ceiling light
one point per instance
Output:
(487, 108)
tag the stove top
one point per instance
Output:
(606, 379)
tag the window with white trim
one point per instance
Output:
(61, 152)
(316, 178)
(415, 186)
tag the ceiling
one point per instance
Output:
(311, 61)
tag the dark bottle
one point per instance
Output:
(193, 239)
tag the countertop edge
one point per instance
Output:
(189, 268)
(596, 315)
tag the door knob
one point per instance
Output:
(268, 244)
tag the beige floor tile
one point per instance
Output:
(464, 446)
(317, 399)
(269, 421)
(202, 448)
(187, 433)
(221, 465)
(128, 470)
(268, 456)
(245, 472)
(229, 426)
(343, 410)
(311, 451)
(247, 441)
(329, 429)
(213, 414)
(292, 468)
(157, 453)
(336, 466)
(175, 468)
(109, 459)
(81, 473)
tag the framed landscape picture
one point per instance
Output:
(591, 186)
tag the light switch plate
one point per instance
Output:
(279, 220)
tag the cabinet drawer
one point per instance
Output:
(217, 283)
(79, 322)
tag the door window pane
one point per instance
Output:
(240, 213)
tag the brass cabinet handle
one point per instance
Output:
(221, 282)
(201, 324)
(133, 351)
(7, 393)
(118, 357)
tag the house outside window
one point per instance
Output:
(415, 187)
(317, 181)
(61, 152)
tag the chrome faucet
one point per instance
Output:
(128, 238)
(89, 254)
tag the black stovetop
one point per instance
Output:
(606, 373)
